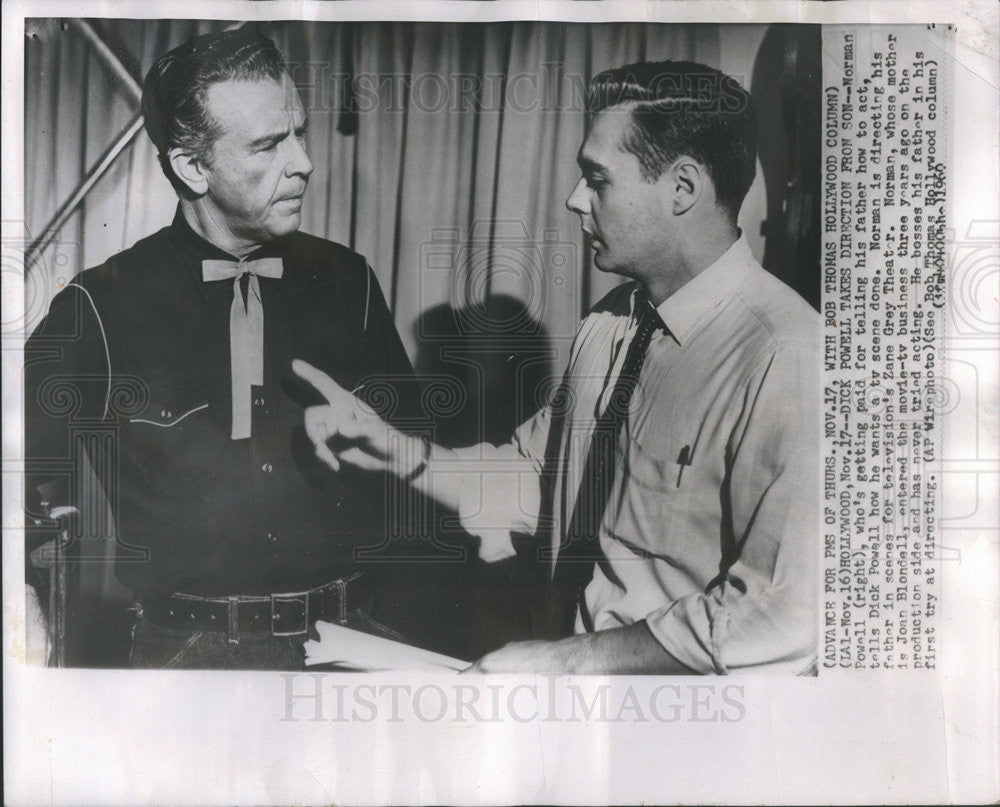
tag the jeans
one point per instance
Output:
(160, 648)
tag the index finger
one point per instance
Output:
(330, 389)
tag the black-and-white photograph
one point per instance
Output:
(365, 369)
(493, 402)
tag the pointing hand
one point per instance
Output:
(364, 438)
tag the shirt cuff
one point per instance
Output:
(499, 495)
(685, 628)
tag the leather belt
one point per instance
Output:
(289, 613)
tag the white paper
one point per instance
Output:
(361, 652)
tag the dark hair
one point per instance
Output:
(173, 95)
(685, 108)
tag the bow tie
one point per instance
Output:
(224, 270)
(246, 331)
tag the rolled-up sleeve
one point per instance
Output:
(761, 611)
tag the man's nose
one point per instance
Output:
(577, 201)
(298, 162)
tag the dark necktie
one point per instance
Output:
(580, 549)
(246, 330)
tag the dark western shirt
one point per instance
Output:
(196, 511)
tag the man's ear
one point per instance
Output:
(190, 170)
(687, 179)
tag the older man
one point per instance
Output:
(675, 467)
(233, 536)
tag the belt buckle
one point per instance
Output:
(290, 609)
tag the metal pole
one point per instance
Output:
(94, 174)
(113, 62)
(131, 85)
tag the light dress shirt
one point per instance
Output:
(712, 532)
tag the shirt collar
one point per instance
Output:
(682, 310)
(194, 249)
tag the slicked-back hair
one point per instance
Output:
(684, 108)
(175, 90)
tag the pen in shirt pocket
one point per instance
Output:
(684, 458)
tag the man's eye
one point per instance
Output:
(595, 183)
